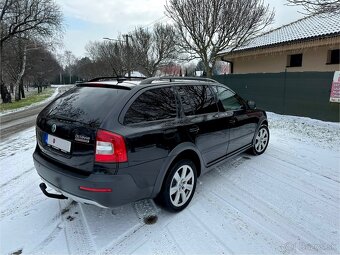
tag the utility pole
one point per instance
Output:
(128, 55)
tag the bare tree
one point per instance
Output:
(40, 65)
(15, 60)
(43, 67)
(27, 19)
(69, 60)
(113, 53)
(207, 27)
(152, 49)
(317, 6)
(87, 69)
(146, 51)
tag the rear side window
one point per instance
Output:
(197, 100)
(227, 99)
(87, 105)
(154, 104)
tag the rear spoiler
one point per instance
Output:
(101, 85)
(119, 79)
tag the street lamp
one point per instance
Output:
(127, 49)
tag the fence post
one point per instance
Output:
(284, 90)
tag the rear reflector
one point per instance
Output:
(110, 148)
(95, 189)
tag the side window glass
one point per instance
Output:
(154, 104)
(227, 99)
(187, 102)
(197, 100)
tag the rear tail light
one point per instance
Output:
(110, 148)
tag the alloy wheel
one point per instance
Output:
(261, 140)
(182, 185)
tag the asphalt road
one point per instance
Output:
(18, 121)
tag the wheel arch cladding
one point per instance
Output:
(264, 122)
(185, 154)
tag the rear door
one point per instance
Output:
(201, 121)
(66, 129)
(150, 125)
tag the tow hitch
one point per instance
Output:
(43, 188)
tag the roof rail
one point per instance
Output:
(175, 78)
(120, 79)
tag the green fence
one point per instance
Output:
(301, 94)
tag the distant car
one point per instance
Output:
(109, 143)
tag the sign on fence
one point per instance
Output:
(335, 92)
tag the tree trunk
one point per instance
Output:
(17, 95)
(5, 95)
(209, 72)
(22, 89)
(20, 75)
(39, 88)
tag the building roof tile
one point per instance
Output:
(311, 27)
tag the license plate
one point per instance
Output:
(57, 143)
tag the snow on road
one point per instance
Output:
(286, 201)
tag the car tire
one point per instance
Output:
(261, 141)
(179, 186)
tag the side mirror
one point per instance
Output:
(251, 104)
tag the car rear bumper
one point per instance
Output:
(124, 188)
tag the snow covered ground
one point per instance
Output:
(286, 201)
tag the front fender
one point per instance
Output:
(262, 119)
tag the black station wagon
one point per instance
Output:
(113, 142)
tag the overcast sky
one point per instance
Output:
(88, 20)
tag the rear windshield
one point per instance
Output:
(88, 105)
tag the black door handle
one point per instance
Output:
(194, 129)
